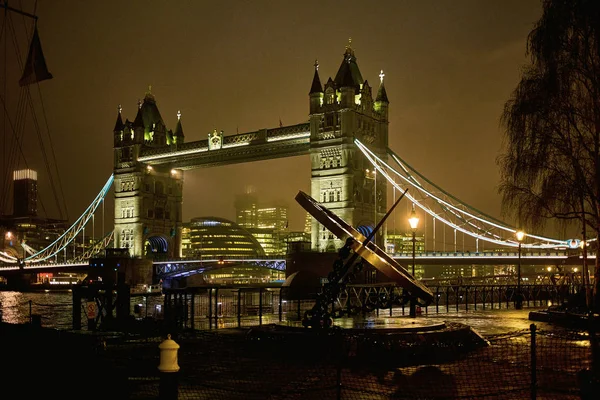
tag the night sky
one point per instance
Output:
(245, 65)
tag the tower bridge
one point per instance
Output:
(149, 161)
(346, 137)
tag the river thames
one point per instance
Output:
(56, 311)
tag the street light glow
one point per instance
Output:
(413, 220)
(520, 235)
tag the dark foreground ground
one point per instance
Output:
(239, 364)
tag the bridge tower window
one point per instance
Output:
(127, 238)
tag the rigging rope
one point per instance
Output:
(11, 160)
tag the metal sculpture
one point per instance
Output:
(348, 265)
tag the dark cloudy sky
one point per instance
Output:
(449, 67)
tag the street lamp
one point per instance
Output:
(414, 223)
(368, 175)
(519, 304)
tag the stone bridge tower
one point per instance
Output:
(342, 178)
(148, 200)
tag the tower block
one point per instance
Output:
(148, 199)
(342, 177)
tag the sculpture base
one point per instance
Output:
(388, 342)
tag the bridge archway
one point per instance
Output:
(366, 230)
(156, 246)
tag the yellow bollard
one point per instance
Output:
(168, 367)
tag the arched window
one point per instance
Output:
(331, 196)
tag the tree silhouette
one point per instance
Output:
(550, 167)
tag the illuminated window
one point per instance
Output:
(127, 238)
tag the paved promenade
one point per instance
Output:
(225, 364)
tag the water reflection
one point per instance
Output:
(56, 310)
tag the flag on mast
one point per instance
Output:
(35, 69)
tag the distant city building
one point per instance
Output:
(308, 223)
(24, 193)
(293, 237)
(268, 223)
(214, 237)
(242, 275)
(186, 245)
(24, 226)
(401, 242)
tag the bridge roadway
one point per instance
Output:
(264, 144)
(187, 267)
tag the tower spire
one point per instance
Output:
(119, 124)
(348, 74)
(179, 129)
(381, 93)
(316, 86)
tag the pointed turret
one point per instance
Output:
(178, 135)
(348, 74)
(316, 86)
(119, 124)
(348, 78)
(316, 91)
(381, 93)
(148, 122)
(138, 122)
(382, 102)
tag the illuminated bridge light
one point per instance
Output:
(289, 137)
(229, 145)
(173, 154)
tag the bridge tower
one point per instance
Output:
(342, 177)
(148, 200)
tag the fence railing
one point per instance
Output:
(213, 307)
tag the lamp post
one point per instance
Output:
(519, 303)
(414, 223)
(374, 177)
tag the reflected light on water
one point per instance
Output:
(9, 305)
